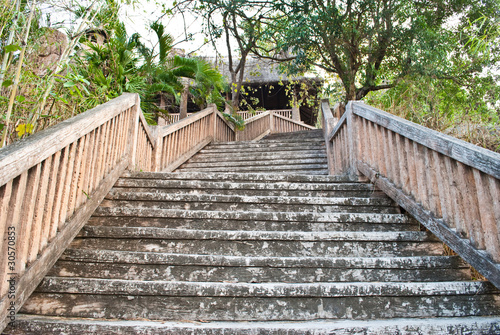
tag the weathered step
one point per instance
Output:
(290, 248)
(254, 235)
(228, 161)
(238, 177)
(249, 216)
(299, 168)
(293, 140)
(56, 325)
(248, 188)
(264, 148)
(203, 224)
(201, 158)
(246, 203)
(296, 134)
(163, 300)
(148, 266)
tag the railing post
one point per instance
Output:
(328, 124)
(271, 122)
(134, 131)
(352, 141)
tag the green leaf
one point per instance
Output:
(20, 99)
(69, 84)
(2, 126)
(7, 83)
(12, 48)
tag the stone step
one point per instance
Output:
(220, 224)
(259, 147)
(303, 134)
(278, 248)
(240, 177)
(148, 266)
(203, 158)
(216, 202)
(229, 158)
(303, 168)
(248, 188)
(251, 216)
(35, 325)
(163, 300)
(256, 162)
(254, 235)
(269, 140)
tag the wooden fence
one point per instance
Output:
(287, 113)
(51, 182)
(450, 186)
(266, 123)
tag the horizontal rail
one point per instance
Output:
(450, 186)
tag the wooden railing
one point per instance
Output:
(287, 113)
(51, 183)
(179, 141)
(174, 117)
(450, 186)
(266, 123)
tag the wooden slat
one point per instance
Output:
(34, 242)
(60, 185)
(444, 196)
(49, 200)
(29, 207)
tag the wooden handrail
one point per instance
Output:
(450, 186)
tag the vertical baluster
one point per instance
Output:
(381, 150)
(67, 191)
(102, 152)
(61, 179)
(471, 206)
(97, 152)
(394, 154)
(387, 153)
(115, 143)
(443, 189)
(34, 243)
(422, 195)
(431, 182)
(49, 201)
(83, 172)
(486, 210)
(73, 204)
(455, 196)
(402, 161)
(27, 219)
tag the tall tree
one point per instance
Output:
(370, 44)
(240, 24)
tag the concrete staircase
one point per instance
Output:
(245, 253)
(302, 152)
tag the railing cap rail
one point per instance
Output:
(170, 128)
(479, 158)
(24, 154)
